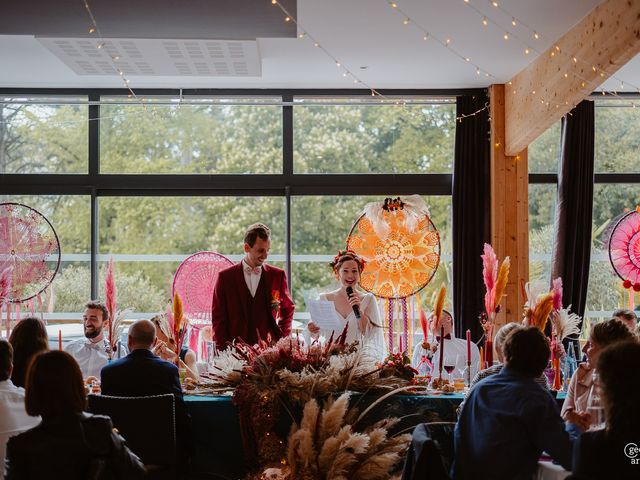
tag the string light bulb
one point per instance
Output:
(526, 51)
(513, 21)
(495, 4)
(506, 35)
(92, 30)
(426, 37)
(477, 71)
(536, 35)
(301, 35)
(274, 2)
(287, 19)
(447, 41)
(406, 21)
(485, 22)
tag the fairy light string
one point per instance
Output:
(446, 43)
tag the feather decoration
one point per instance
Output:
(118, 327)
(437, 311)
(557, 294)
(424, 325)
(6, 278)
(534, 290)
(490, 276)
(178, 327)
(110, 301)
(540, 312)
(501, 281)
(566, 323)
(375, 214)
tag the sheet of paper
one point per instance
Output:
(324, 315)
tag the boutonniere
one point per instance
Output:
(275, 300)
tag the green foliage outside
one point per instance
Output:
(213, 139)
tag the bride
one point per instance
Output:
(347, 267)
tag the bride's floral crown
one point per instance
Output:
(343, 256)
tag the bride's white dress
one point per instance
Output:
(372, 339)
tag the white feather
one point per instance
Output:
(566, 323)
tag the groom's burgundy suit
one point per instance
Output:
(238, 315)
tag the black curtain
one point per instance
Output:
(471, 212)
(572, 242)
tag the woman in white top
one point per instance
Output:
(347, 267)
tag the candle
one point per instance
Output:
(489, 353)
(441, 348)
(400, 345)
(468, 347)
(60, 340)
(481, 358)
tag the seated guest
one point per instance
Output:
(574, 408)
(607, 454)
(367, 328)
(92, 352)
(13, 417)
(628, 317)
(165, 348)
(68, 443)
(141, 374)
(28, 338)
(508, 419)
(455, 349)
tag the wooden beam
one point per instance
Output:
(606, 39)
(509, 209)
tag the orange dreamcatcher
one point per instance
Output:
(401, 246)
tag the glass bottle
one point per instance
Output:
(594, 404)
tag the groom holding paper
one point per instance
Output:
(251, 300)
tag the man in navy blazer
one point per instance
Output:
(141, 373)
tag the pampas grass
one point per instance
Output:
(439, 305)
(541, 311)
(338, 451)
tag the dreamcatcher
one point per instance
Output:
(624, 252)
(194, 282)
(401, 246)
(29, 257)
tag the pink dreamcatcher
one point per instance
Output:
(29, 256)
(624, 252)
(194, 282)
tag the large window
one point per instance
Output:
(192, 171)
(373, 138)
(616, 191)
(198, 136)
(43, 135)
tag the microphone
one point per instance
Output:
(356, 310)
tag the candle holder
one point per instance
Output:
(467, 375)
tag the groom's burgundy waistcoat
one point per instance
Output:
(238, 315)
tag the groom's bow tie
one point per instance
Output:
(255, 271)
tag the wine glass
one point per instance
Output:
(449, 365)
(463, 368)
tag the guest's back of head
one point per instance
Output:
(526, 351)
(6, 360)
(142, 334)
(28, 338)
(620, 388)
(54, 386)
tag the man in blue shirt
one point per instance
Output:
(509, 420)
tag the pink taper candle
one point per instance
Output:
(441, 348)
(469, 346)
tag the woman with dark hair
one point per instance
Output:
(610, 453)
(28, 338)
(574, 408)
(68, 443)
(365, 326)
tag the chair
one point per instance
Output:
(149, 427)
(431, 452)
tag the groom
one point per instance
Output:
(251, 300)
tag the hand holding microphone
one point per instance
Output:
(354, 305)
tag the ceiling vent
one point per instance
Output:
(154, 57)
